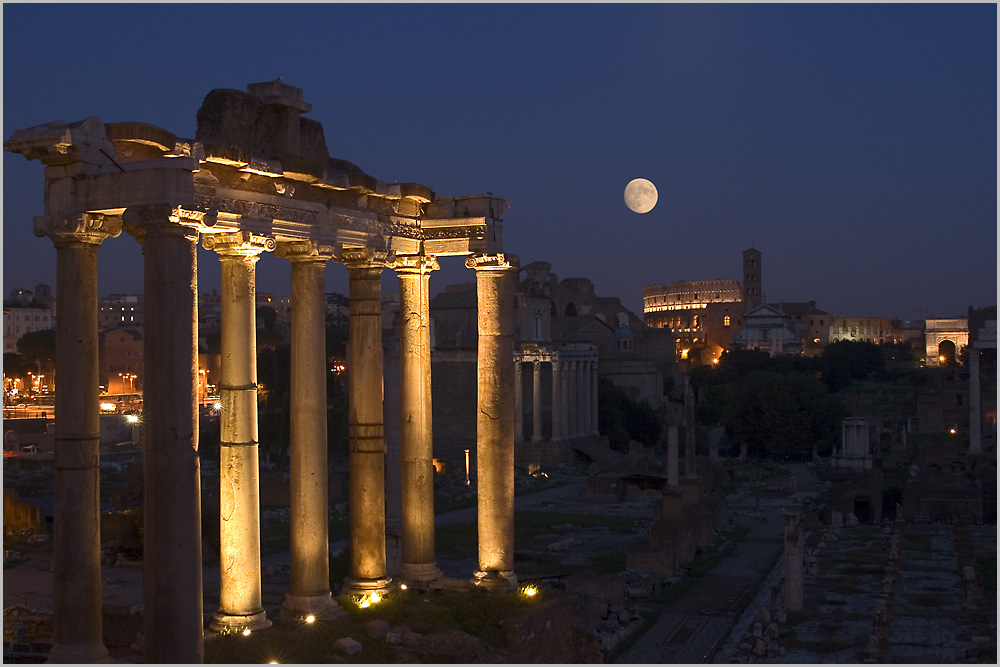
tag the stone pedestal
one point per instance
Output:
(495, 420)
(76, 545)
(309, 594)
(416, 432)
(690, 491)
(367, 442)
(240, 605)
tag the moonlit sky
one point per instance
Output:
(854, 145)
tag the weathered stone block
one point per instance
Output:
(347, 645)
(378, 629)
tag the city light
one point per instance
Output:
(246, 632)
(402, 587)
(310, 619)
(132, 419)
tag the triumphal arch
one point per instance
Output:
(258, 178)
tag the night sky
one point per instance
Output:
(854, 145)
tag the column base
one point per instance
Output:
(365, 586)
(494, 580)
(419, 572)
(225, 624)
(320, 607)
(79, 653)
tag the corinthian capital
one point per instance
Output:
(304, 251)
(416, 264)
(366, 258)
(80, 228)
(241, 243)
(498, 262)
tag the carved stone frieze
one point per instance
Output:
(241, 243)
(81, 228)
(416, 264)
(138, 220)
(299, 251)
(257, 210)
(498, 262)
(361, 258)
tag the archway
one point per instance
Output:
(863, 509)
(570, 310)
(946, 352)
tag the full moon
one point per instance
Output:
(640, 195)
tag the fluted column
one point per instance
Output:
(594, 410)
(585, 404)
(368, 570)
(495, 419)
(416, 431)
(556, 401)
(173, 628)
(518, 399)
(240, 605)
(76, 540)
(574, 399)
(536, 401)
(309, 593)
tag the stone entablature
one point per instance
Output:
(230, 178)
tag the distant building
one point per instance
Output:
(945, 338)
(766, 328)
(21, 318)
(120, 360)
(120, 310)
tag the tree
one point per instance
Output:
(622, 418)
(848, 360)
(16, 365)
(782, 413)
(38, 347)
(269, 315)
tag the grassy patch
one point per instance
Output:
(477, 613)
(701, 565)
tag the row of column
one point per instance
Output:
(574, 400)
(172, 538)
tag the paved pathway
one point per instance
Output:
(690, 627)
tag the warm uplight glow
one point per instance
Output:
(715, 361)
(368, 600)
(217, 406)
(310, 619)
(364, 604)
(246, 632)
(375, 597)
(107, 406)
(402, 587)
(529, 591)
(684, 354)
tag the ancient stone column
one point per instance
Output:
(574, 398)
(416, 432)
(518, 399)
(793, 562)
(240, 605)
(173, 629)
(594, 411)
(495, 419)
(586, 409)
(365, 426)
(557, 401)
(76, 540)
(566, 424)
(672, 457)
(309, 593)
(975, 416)
(536, 401)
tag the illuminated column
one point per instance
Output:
(556, 401)
(975, 417)
(495, 419)
(594, 411)
(518, 399)
(173, 628)
(309, 594)
(416, 431)
(536, 401)
(365, 425)
(76, 540)
(240, 606)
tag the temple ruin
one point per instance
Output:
(258, 178)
